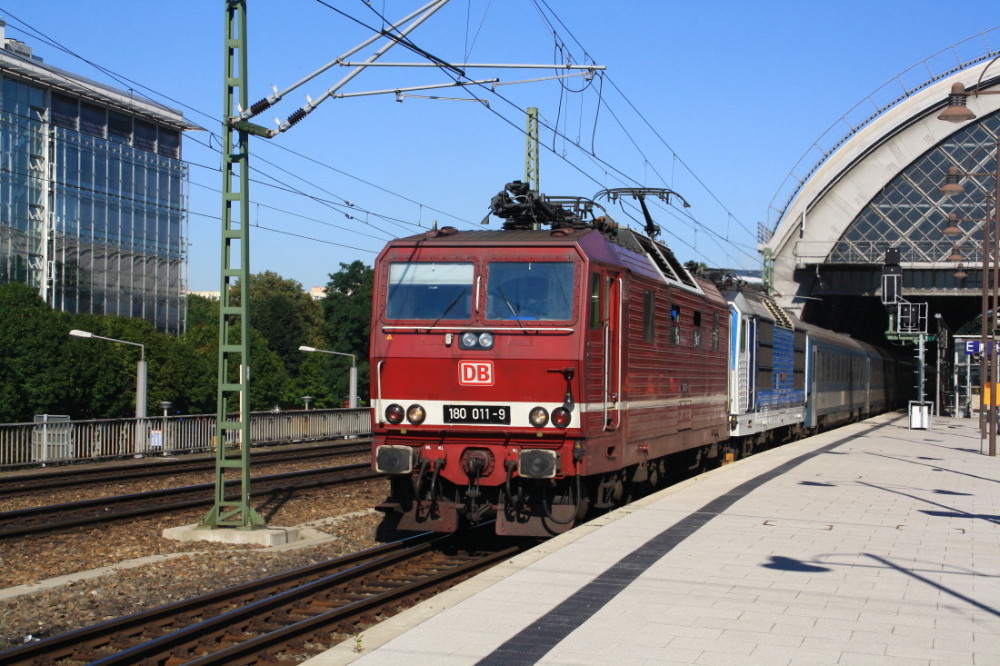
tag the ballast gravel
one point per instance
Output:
(345, 512)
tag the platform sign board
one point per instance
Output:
(974, 346)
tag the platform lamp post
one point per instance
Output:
(989, 369)
(353, 396)
(140, 373)
(140, 382)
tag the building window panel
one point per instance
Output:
(145, 136)
(93, 120)
(65, 111)
(169, 144)
(119, 127)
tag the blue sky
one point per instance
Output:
(717, 100)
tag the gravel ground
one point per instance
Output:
(199, 568)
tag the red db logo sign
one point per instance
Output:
(475, 373)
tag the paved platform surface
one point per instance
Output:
(870, 544)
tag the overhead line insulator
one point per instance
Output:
(259, 107)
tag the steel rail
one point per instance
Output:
(292, 639)
(160, 618)
(240, 635)
(43, 519)
(68, 477)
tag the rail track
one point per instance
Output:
(58, 517)
(291, 615)
(71, 476)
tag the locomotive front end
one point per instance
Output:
(475, 361)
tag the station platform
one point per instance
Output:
(870, 544)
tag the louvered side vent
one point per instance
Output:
(656, 257)
(743, 382)
(678, 268)
(780, 316)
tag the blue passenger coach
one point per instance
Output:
(788, 378)
(766, 370)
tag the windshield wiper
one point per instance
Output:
(455, 300)
(506, 300)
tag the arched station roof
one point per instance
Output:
(879, 189)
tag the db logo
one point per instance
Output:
(475, 373)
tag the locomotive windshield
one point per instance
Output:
(429, 290)
(529, 290)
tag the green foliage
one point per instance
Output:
(347, 309)
(32, 341)
(45, 370)
(268, 379)
(284, 315)
(202, 311)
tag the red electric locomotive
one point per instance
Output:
(533, 373)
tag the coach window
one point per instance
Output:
(675, 317)
(429, 290)
(647, 316)
(696, 338)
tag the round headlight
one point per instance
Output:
(486, 340)
(416, 414)
(394, 414)
(469, 339)
(539, 417)
(561, 417)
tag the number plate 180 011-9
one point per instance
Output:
(488, 414)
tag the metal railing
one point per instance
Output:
(52, 439)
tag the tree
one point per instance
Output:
(35, 376)
(347, 310)
(284, 315)
(44, 370)
(202, 311)
(189, 375)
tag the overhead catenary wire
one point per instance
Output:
(131, 84)
(590, 155)
(643, 118)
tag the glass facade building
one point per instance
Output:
(92, 194)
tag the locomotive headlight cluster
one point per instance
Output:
(394, 414)
(473, 340)
(415, 414)
(561, 417)
(539, 417)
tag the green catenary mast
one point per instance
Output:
(234, 311)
